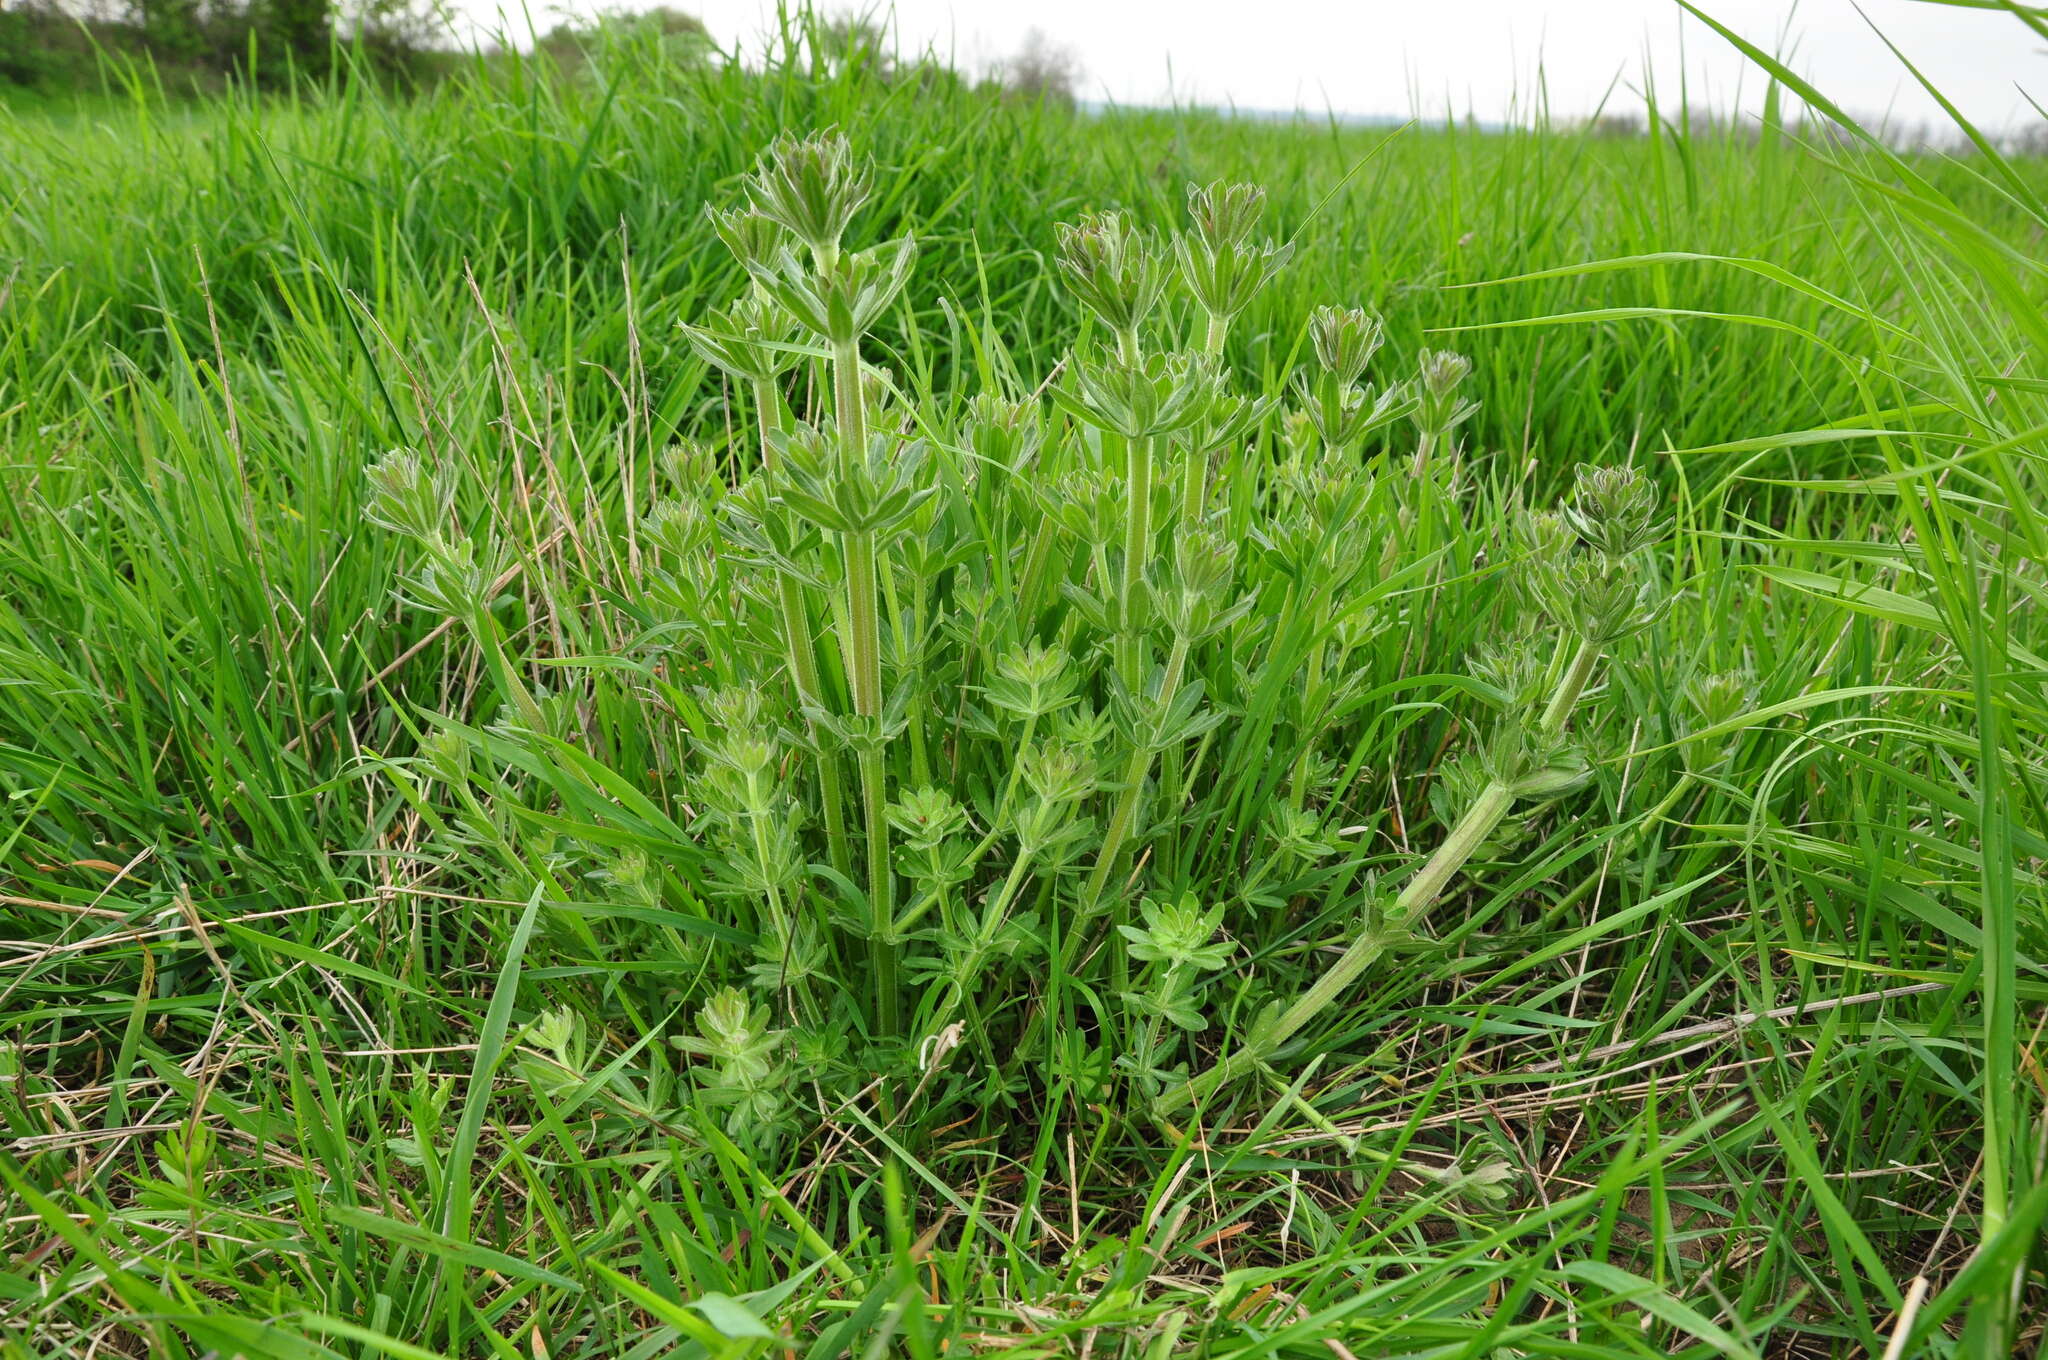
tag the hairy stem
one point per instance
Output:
(994, 913)
(1148, 1042)
(1421, 893)
(803, 659)
(1212, 339)
(1311, 698)
(1194, 491)
(1137, 553)
(1570, 688)
(1034, 571)
(490, 636)
(867, 703)
(864, 673)
(1122, 821)
(1425, 444)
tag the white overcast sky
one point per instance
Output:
(1394, 57)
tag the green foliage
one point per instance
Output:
(56, 49)
(605, 760)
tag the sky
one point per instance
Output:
(1397, 57)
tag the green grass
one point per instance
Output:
(344, 939)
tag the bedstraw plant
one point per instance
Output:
(1023, 624)
(618, 743)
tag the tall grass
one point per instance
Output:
(452, 896)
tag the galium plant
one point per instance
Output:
(456, 577)
(1343, 408)
(1035, 632)
(1177, 944)
(429, 888)
(748, 1073)
(1594, 592)
(1441, 405)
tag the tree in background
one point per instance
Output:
(198, 44)
(1042, 69)
(848, 40)
(681, 38)
(300, 29)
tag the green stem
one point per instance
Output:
(867, 703)
(1016, 770)
(803, 659)
(920, 767)
(1424, 444)
(923, 908)
(1034, 567)
(1311, 697)
(785, 925)
(1137, 554)
(986, 843)
(992, 918)
(847, 405)
(864, 657)
(1150, 1040)
(1194, 486)
(1568, 690)
(1408, 909)
(483, 625)
(1195, 476)
(1126, 814)
(1472, 829)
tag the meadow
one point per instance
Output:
(784, 707)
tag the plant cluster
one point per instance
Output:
(942, 681)
(449, 938)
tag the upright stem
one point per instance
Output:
(1137, 536)
(1169, 982)
(1424, 444)
(864, 667)
(1415, 900)
(491, 637)
(1016, 770)
(867, 702)
(1126, 814)
(994, 912)
(785, 928)
(1194, 485)
(1311, 700)
(1195, 476)
(803, 659)
(847, 405)
(920, 770)
(1034, 568)
(1212, 340)
(1194, 496)
(1137, 553)
(1568, 690)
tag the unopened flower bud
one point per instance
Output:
(405, 497)
(1345, 340)
(1223, 267)
(812, 186)
(1114, 269)
(1613, 509)
(753, 239)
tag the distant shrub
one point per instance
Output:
(671, 34)
(198, 45)
(40, 48)
(1616, 126)
(1042, 69)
